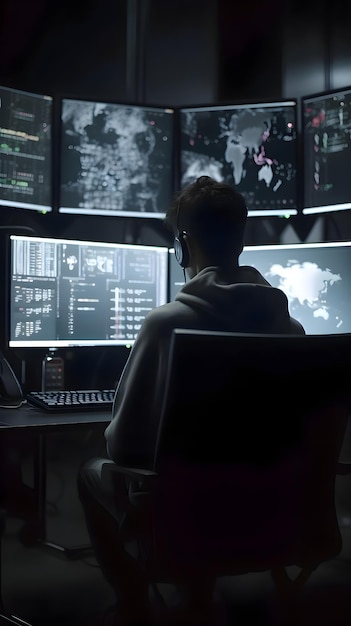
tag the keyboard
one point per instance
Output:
(81, 400)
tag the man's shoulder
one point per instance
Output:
(250, 274)
(164, 316)
(163, 319)
(164, 311)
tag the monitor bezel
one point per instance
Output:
(300, 245)
(30, 206)
(321, 209)
(66, 344)
(237, 104)
(144, 215)
(308, 246)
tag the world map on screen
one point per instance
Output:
(315, 278)
(252, 147)
(306, 284)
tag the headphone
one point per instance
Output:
(181, 251)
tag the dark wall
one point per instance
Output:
(316, 47)
(250, 43)
(189, 51)
(60, 46)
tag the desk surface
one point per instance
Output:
(28, 416)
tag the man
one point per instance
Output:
(208, 220)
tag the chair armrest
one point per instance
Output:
(139, 487)
(343, 469)
(132, 472)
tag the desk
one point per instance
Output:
(29, 417)
(42, 423)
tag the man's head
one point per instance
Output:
(208, 219)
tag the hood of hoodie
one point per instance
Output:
(248, 304)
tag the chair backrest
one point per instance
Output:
(247, 450)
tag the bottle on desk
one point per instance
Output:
(52, 378)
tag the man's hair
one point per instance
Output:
(212, 212)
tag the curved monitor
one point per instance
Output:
(25, 150)
(67, 293)
(315, 278)
(253, 146)
(115, 159)
(326, 130)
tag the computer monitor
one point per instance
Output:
(115, 159)
(253, 146)
(26, 150)
(326, 132)
(68, 293)
(315, 278)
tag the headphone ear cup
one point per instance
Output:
(181, 251)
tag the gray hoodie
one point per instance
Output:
(207, 303)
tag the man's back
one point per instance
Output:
(205, 303)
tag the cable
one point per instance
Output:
(15, 227)
(8, 403)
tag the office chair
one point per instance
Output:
(246, 459)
